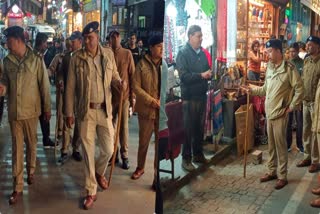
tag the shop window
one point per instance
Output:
(142, 22)
(119, 15)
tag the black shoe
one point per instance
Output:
(77, 156)
(125, 163)
(63, 158)
(49, 144)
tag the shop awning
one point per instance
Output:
(309, 4)
(280, 2)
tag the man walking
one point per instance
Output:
(194, 73)
(26, 82)
(283, 89)
(92, 71)
(39, 49)
(310, 77)
(298, 62)
(76, 44)
(125, 65)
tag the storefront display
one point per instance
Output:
(256, 21)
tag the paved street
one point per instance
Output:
(222, 189)
(60, 189)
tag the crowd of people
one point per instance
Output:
(93, 84)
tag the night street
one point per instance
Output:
(222, 189)
(60, 189)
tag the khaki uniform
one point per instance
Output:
(283, 89)
(53, 68)
(146, 88)
(316, 116)
(28, 89)
(125, 66)
(89, 79)
(310, 77)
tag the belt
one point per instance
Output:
(97, 105)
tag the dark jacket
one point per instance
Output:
(190, 65)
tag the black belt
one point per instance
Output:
(97, 105)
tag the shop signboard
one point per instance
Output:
(312, 4)
(91, 5)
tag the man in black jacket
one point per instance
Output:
(194, 72)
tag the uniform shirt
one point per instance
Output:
(316, 116)
(96, 79)
(310, 77)
(283, 89)
(126, 67)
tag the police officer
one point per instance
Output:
(92, 71)
(316, 132)
(125, 65)
(283, 89)
(76, 44)
(310, 77)
(26, 82)
(39, 49)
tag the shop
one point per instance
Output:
(91, 11)
(15, 16)
(314, 6)
(257, 20)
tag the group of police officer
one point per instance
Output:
(87, 79)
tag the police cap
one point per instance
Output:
(14, 31)
(76, 35)
(274, 43)
(154, 40)
(90, 27)
(314, 39)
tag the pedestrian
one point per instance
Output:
(146, 85)
(126, 67)
(25, 81)
(53, 69)
(132, 46)
(194, 73)
(283, 89)
(310, 77)
(316, 132)
(39, 49)
(298, 62)
(254, 62)
(76, 44)
(92, 71)
(302, 50)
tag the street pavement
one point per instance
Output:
(60, 189)
(223, 189)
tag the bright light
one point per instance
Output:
(171, 11)
(256, 3)
(15, 9)
(49, 6)
(64, 21)
(78, 18)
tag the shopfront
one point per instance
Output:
(91, 11)
(256, 20)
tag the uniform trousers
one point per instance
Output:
(311, 151)
(23, 131)
(146, 128)
(96, 124)
(124, 127)
(277, 146)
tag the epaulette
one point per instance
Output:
(75, 52)
(290, 65)
(37, 53)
